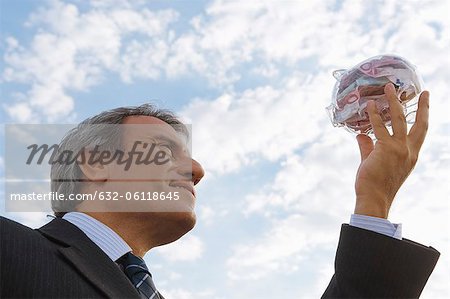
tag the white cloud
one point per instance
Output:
(185, 57)
(22, 112)
(269, 70)
(323, 176)
(30, 219)
(206, 213)
(310, 196)
(143, 60)
(282, 249)
(66, 54)
(223, 143)
(189, 248)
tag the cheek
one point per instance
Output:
(143, 172)
(155, 172)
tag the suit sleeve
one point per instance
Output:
(372, 265)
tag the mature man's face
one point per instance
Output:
(159, 185)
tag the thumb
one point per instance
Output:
(365, 145)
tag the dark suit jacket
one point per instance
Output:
(59, 261)
(372, 265)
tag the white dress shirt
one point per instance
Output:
(379, 225)
(103, 236)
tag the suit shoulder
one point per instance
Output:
(10, 227)
(14, 235)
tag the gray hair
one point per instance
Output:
(96, 130)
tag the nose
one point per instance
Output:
(192, 170)
(197, 172)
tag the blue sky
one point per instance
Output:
(253, 78)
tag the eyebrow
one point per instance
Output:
(172, 143)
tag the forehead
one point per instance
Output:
(142, 127)
(142, 120)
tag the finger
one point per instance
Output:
(365, 145)
(398, 119)
(378, 127)
(419, 129)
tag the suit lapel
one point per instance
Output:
(89, 259)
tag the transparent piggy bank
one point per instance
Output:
(366, 81)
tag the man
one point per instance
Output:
(96, 252)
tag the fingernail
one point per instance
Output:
(427, 98)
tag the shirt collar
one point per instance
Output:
(102, 235)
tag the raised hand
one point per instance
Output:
(386, 164)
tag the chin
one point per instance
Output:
(176, 225)
(185, 220)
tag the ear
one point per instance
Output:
(92, 169)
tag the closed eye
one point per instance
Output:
(168, 149)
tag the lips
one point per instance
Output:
(185, 185)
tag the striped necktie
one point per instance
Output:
(136, 270)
